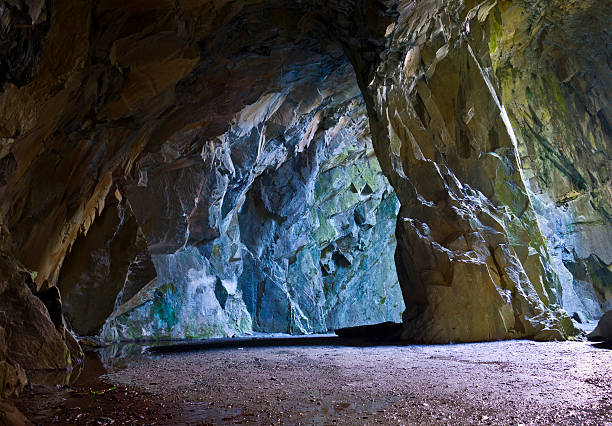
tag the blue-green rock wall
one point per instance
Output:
(305, 237)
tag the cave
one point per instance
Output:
(211, 189)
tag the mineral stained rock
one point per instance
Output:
(198, 168)
(471, 259)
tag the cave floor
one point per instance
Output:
(329, 380)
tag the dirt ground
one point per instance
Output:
(333, 381)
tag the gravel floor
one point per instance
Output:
(511, 382)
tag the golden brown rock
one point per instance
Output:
(466, 222)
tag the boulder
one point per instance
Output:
(29, 338)
(603, 331)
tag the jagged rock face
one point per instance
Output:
(105, 268)
(471, 259)
(171, 87)
(555, 74)
(318, 236)
(28, 336)
(440, 107)
(318, 241)
(224, 265)
(233, 133)
(305, 246)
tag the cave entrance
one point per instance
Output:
(259, 204)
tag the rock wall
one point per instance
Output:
(471, 259)
(305, 246)
(554, 69)
(145, 104)
(325, 245)
(32, 332)
(105, 268)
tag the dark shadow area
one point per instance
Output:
(385, 333)
(86, 397)
(603, 345)
(260, 342)
(388, 329)
(85, 374)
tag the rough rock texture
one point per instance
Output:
(171, 91)
(180, 303)
(105, 268)
(471, 259)
(554, 68)
(217, 124)
(322, 239)
(305, 246)
(28, 337)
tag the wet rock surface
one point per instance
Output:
(507, 382)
